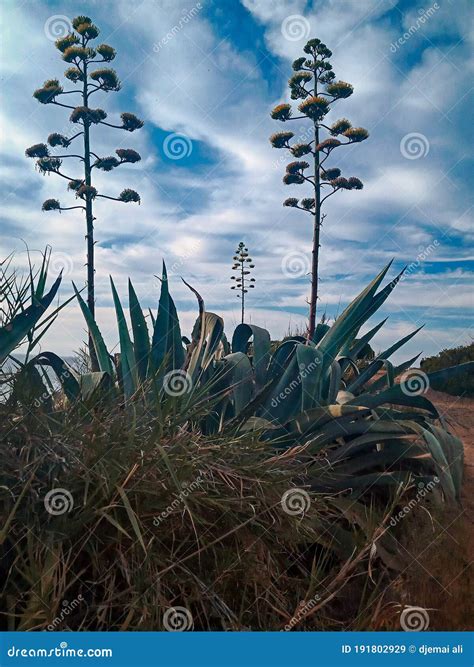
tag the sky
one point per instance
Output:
(204, 77)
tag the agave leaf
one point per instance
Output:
(310, 364)
(94, 385)
(261, 348)
(364, 442)
(350, 321)
(390, 454)
(370, 371)
(65, 374)
(381, 297)
(141, 338)
(237, 374)
(159, 343)
(320, 330)
(454, 452)
(285, 400)
(206, 337)
(175, 351)
(363, 482)
(397, 370)
(441, 463)
(358, 345)
(318, 417)
(127, 355)
(281, 357)
(103, 357)
(345, 426)
(13, 333)
(395, 395)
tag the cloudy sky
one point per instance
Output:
(204, 76)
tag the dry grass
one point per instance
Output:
(224, 548)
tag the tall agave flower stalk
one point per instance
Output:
(243, 282)
(313, 83)
(77, 50)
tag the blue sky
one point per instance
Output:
(206, 93)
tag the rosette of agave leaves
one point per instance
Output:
(361, 430)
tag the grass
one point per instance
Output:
(161, 519)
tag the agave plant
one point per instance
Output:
(362, 430)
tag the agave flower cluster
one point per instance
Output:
(242, 265)
(77, 50)
(313, 83)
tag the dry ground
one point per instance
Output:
(439, 552)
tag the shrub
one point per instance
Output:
(461, 385)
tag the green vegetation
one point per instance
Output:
(461, 385)
(196, 470)
(258, 484)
